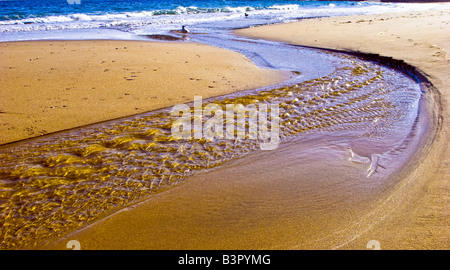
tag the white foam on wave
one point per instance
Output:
(284, 7)
(133, 21)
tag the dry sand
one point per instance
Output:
(311, 205)
(49, 86)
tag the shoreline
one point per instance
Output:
(138, 215)
(421, 222)
(108, 68)
(405, 212)
(135, 221)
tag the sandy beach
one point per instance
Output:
(312, 205)
(49, 86)
(305, 194)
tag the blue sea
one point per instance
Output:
(124, 19)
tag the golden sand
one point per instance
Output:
(269, 200)
(49, 86)
(416, 216)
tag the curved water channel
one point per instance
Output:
(52, 185)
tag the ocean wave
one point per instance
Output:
(191, 14)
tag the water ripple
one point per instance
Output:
(53, 185)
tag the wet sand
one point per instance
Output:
(48, 86)
(417, 214)
(85, 174)
(270, 200)
(245, 204)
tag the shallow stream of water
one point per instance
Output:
(55, 184)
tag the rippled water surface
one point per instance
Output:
(55, 184)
